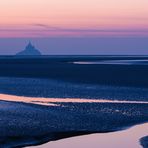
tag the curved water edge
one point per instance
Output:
(138, 131)
(108, 107)
(125, 138)
(47, 88)
(57, 101)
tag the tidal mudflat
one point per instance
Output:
(25, 124)
(37, 107)
(35, 120)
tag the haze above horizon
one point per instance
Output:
(75, 27)
(79, 18)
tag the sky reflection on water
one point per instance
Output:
(55, 101)
(128, 138)
(122, 139)
(116, 62)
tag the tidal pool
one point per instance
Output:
(121, 139)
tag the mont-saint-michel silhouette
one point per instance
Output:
(29, 50)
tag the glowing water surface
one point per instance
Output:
(54, 101)
(116, 62)
(122, 139)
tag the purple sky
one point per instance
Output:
(75, 45)
(75, 26)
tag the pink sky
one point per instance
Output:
(46, 18)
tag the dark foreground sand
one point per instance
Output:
(28, 124)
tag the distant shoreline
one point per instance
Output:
(61, 68)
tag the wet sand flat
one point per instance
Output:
(62, 68)
(44, 99)
(25, 124)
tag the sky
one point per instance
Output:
(76, 21)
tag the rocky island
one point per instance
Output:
(29, 50)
